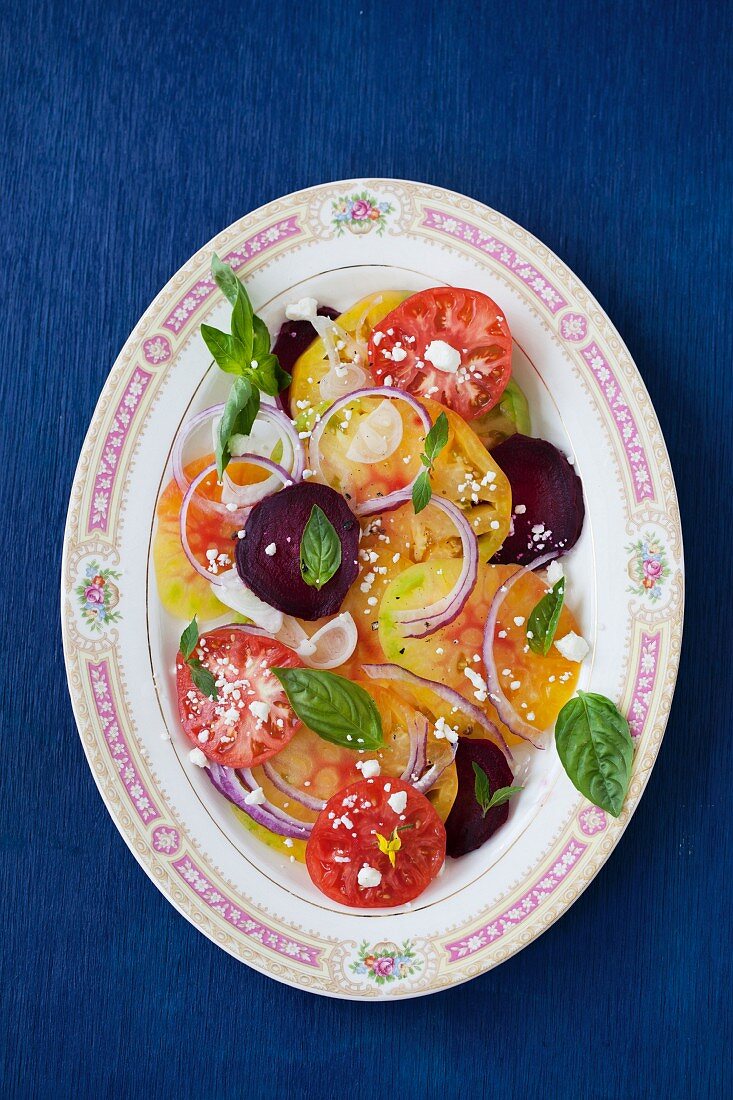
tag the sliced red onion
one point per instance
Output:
(236, 518)
(307, 800)
(379, 504)
(294, 458)
(433, 774)
(513, 721)
(225, 781)
(453, 698)
(421, 745)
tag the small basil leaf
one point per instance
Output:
(228, 351)
(436, 438)
(320, 549)
(500, 796)
(240, 413)
(202, 678)
(225, 279)
(596, 750)
(189, 638)
(543, 620)
(481, 787)
(268, 375)
(335, 708)
(261, 338)
(421, 492)
(243, 323)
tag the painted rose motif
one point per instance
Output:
(98, 595)
(648, 567)
(386, 962)
(359, 213)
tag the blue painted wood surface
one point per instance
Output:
(131, 132)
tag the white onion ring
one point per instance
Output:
(236, 518)
(379, 504)
(384, 426)
(447, 694)
(513, 721)
(292, 635)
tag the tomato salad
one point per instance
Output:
(372, 521)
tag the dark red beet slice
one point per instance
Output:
(292, 340)
(549, 492)
(466, 828)
(275, 578)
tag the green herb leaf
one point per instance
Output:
(436, 438)
(421, 492)
(486, 800)
(243, 322)
(228, 351)
(225, 279)
(202, 678)
(335, 708)
(240, 413)
(543, 620)
(200, 675)
(268, 375)
(320, 549)
(261, 340)
(596, 750)
(189, 638)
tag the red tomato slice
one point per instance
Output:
(356, 831)
(226, 729)
(471, 323)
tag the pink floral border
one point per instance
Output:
(521, 909)
(241, 920)
(498, 250)
(646, 674)
(192, 300)
(622, 415)
(99, 679)
(107, 469)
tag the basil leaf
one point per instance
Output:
(202, 678)
(486, 800)
(543, 620)
(228, 351)
(421, 492)
(335, 708)
(243, 322)
(261, 338)
(225, 279)
(596, 750)
(436, 438)
(240, 413)
(268, 375)
(189, 638)
(320, 549)
(514, 406)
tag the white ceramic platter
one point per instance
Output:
(585, 395)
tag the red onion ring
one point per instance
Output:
(271, 413)
(513, 721)
(379, 504)
(307, 800)
(410, 773)
(448, 607)
(433, 774)
(447, 694)
(225, 781)
(236, 518)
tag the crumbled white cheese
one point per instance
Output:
(271, 550)
(260, 710)
(520, 509)
(369, 768)
(518, 620)
(573, 647)
(443, 356)
(369, 876)
(398, 801)
(197, 757)
(398, 354)
(554, 573)
(255, 797)
(304, 310)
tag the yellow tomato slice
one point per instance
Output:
(544, 684)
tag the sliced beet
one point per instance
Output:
(280, 519)
(547, 491)
(467, 828)
(292, 340)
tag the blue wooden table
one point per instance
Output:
(131, 133)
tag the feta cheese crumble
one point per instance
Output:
(271, 550)
(573, 647)
(554, 573)
(260, 710)
(443, 356)
(369, 768)
(369, 876)
(398, 801)
(303, 310)
(255, 797)
(197, 757)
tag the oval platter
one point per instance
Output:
(586, 396)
